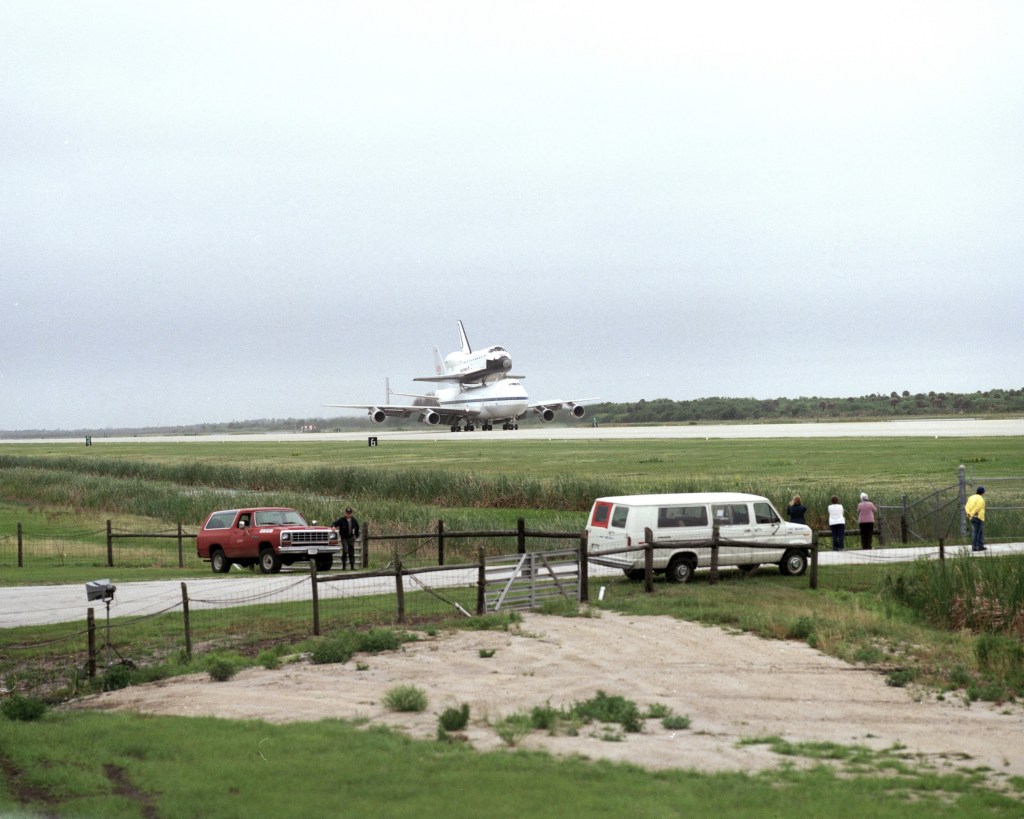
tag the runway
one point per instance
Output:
(910, 428)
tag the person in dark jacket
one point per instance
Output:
(796, 510)
(348, 531)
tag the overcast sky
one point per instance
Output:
(233, 210)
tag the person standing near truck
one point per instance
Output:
(866, 518)
(975, 509)
(348, 531)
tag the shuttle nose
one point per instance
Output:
(499, 364)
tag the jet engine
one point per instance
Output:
(547, 415)
(577, 411)
(430, 417)
(378, 416)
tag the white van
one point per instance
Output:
(684, 522)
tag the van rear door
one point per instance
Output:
(607, 529)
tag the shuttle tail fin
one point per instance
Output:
(466, 349)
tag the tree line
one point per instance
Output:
(875, 405)
(655, 411)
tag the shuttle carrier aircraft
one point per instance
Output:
(475, 389)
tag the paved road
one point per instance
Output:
(916, 428)
(42, 605)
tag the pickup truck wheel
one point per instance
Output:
(794, 563)
(324, 563)
(219, 563)
(270, 563)
(680, 569)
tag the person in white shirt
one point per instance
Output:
(837, 523)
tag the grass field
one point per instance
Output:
(103, 764)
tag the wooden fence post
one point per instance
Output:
(315, 595)
(521, 535)
(90, 626)
(440, 543)
(399, 589)
(20, 562)
(188, 621)
(481, 583)
(713, 575)
(110, 544)
(648, 561)
(584, 571)
(181, 552)
(814, 560)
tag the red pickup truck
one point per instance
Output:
(270, 536)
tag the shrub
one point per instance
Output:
(676, 722)
(513, 728)
(455, 719)
(116, 677)
(26, 709)
(221, 669)
(406, 698)
(381, 639)
(604, 708)
(334, 650)
(269, 659)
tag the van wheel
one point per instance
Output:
(680, 569)
(634, 574)
(219, 563)
(794, 563)
(270, 563)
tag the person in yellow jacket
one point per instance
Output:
(975, 509)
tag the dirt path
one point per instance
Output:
(731, 686)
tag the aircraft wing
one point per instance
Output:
(547, 409)
(428, 414)
(389, 410)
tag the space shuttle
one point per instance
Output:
(475, 389)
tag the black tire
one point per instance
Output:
(270, 563)
(680, 569)
(324, 563)
(794, 563)
(634, 574)
(219, 562)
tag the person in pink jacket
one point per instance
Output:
(866, 512)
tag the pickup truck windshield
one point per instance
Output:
(279, 517)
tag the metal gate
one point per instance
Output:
(526, 581)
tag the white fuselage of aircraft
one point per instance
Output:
(474, 388)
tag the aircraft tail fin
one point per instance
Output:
(439, 367)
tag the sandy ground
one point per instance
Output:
(732, 686)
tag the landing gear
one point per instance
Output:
(510, 425)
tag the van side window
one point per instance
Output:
(763, 513)
(669, 516)
(619, 517)
(731, 514)
(601, 512)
